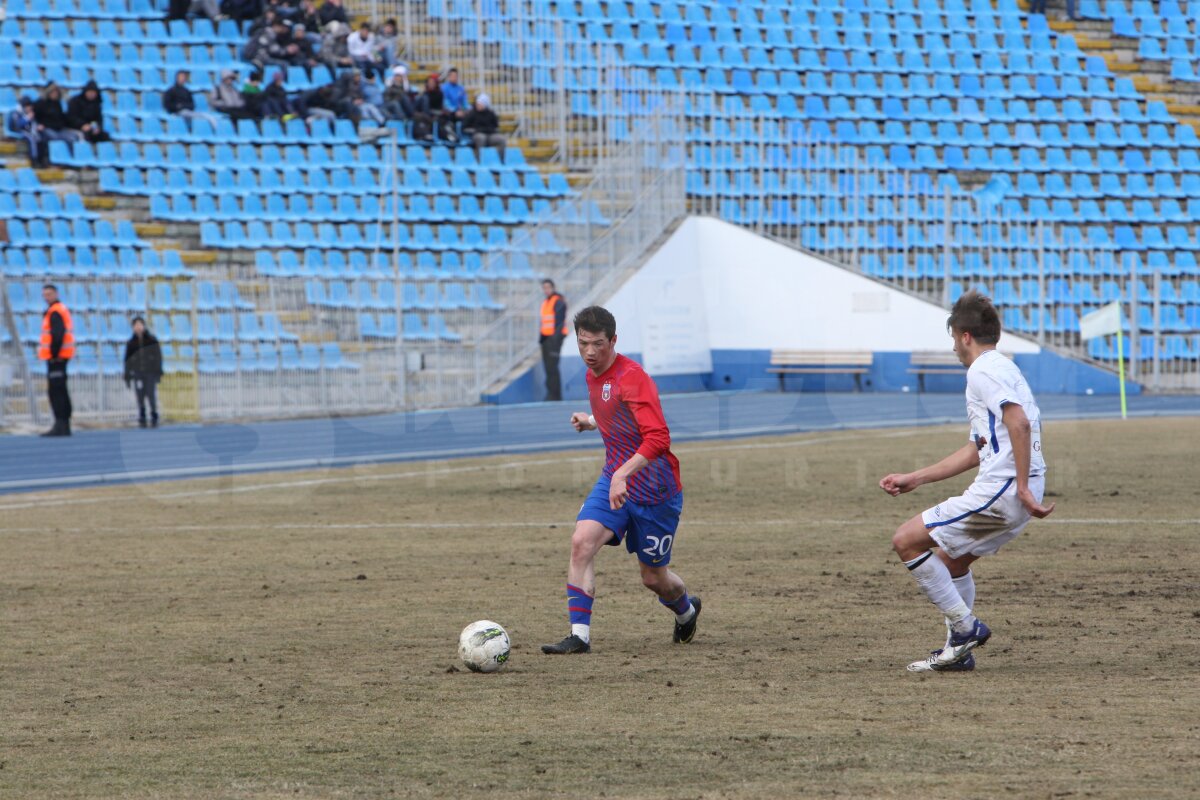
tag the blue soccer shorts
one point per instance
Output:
(647, 530)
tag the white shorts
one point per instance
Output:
(982, 519)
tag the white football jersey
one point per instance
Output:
(994, 381)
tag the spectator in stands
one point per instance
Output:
(352, 103)
(398, 97)
(22, 124)
(260, 49)
(52, 122)
(431, 114)
(552, 334)
(483, 126)
(455, 94)
(286, 10)
(284, 45)
(334, 51)
(310, 18)
(85, 113)
(178, 100)
(332, 11)
(362, 47)
(302, 52)
(275, 101)
(226, 98)
(205, 8)
(319, 103)
(387, 42)
(252, 94)
(56, 347)
(241, 10)
(143, 370)
(265, 22)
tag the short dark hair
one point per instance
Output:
(136, 320)
(49, 286)
(547, 280)
(595, 319)
(974, 313)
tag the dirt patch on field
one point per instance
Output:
(221, 639)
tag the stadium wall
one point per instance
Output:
(707, 309)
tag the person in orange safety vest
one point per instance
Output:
(552, 333)
(56, 347)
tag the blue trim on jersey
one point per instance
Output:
(983, 507)
(992, 426)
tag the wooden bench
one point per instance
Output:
(935, 362)
(821, 362)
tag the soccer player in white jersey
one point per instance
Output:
(1006, 445)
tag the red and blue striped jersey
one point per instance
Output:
(630, 418)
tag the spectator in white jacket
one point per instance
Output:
(362, 47)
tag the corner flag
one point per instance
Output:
(1102, 322)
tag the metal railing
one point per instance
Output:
(560, 90)
(387, 325)
(635, 197)
(930, 237)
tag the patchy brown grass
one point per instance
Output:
(212, 639)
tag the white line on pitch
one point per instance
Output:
(565, 524)
(32, 501)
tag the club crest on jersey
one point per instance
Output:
(606, 392)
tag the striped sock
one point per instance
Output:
(682, 606)
(579, 608)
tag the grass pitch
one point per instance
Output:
(294, 635)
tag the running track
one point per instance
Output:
(30, 463)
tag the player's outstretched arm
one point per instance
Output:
(1021, 436)
(582, 421)
(958, 462)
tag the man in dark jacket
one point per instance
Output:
(332, 11)
(483, 126)
(51, 120)
(179, 100)
(143, 370)
(241, 10)
(552, 331)
(431, 114)
(275, 102)
(85, 113)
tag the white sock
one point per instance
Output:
(582, 631)
(685, 616)
(966, 588)
(934, 579)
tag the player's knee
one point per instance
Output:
(906, 542)
(583, 546)
(653, 579)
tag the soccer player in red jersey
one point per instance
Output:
(639, 496)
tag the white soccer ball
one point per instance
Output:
(483, 646)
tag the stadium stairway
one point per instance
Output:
(305, 317)
(1159, 79)
(504, 94)
(955, 90)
